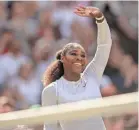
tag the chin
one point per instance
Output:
(78, 72)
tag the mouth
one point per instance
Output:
(78, 67)
(78, 64)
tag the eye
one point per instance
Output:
(73, 53)
(83, 56)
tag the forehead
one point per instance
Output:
(76, 49)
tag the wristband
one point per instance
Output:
(101, 18)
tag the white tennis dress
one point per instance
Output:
(63, 91)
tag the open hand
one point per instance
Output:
(88, 11)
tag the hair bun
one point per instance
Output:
(58, 55)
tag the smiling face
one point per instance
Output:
(74, 58)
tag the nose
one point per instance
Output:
(79, 58)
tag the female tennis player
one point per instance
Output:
(69, 79)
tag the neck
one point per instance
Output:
(71, 76)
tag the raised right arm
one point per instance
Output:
(49, 98)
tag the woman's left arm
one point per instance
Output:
(104, 41)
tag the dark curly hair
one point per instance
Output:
(56, 69)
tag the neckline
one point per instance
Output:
(71, 82)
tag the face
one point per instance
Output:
(19, 9)
(75, 60)
(48, 33)
(15, 47)
(26, 71)
(36, 54)
(8, 36)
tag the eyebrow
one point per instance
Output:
(76, 51)
(73, 51)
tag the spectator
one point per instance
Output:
(126, 66)
(25, 83)
(6, 38)
(118, 20)
(116, 9)
(3, 14)
(107, 87)
(14, 58)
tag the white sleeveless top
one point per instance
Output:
(63, 91)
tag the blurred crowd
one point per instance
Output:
(32, 32)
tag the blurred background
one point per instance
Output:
(32, 32)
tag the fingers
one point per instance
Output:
(79, 14)
(80, 8)
(82, 11)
